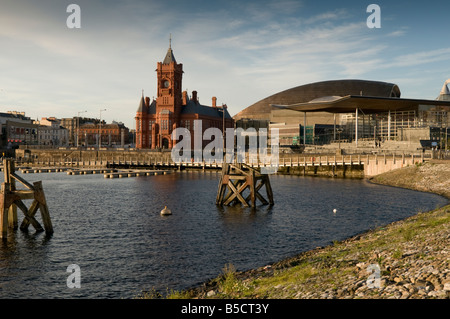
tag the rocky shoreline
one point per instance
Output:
(408, 259)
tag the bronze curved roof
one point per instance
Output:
(369, 104)
(308, 92)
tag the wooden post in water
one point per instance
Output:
(235, 179)
(12, 211)
(12, 198)
(4, 212)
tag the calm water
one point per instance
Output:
(112, 229)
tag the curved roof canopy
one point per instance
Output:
(368, 104)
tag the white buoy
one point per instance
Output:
(334, 211)
(166, 211)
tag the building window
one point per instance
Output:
(164, 124)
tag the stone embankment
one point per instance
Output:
(408, 259)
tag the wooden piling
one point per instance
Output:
(4, 212)
(12, 198)
(235, 179)
(12, 211)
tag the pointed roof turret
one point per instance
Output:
(445, 89)
(169, 55)
(444, 95)
(142, 105)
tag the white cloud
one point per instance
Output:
(397, 33)
(327, 16)
(419, 58)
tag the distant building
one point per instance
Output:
(115, 134)
(51, 133)
(17, 129)
(72, 123)
(156, 119)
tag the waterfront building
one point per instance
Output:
(172, 108)
(353, 110)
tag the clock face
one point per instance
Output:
(166, 84)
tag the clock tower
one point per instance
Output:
(169, 99)
(172, 108)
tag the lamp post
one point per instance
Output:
(340, 130)
(78, 126)
(223, 127)
(446, 138)
(100, 129)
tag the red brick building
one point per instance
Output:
(155, 120)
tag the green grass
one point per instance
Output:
(398, 254)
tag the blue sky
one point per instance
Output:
(238, 51)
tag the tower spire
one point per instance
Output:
(169, 56)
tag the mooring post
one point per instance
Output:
(40, 197)
(222, 184)
(252, 188)
(4, 211)
(269, 190)
(9, 168)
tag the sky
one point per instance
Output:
(238, 51)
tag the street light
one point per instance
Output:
(78, 126)
(224, 106)
(340, 130)
(100, 130)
